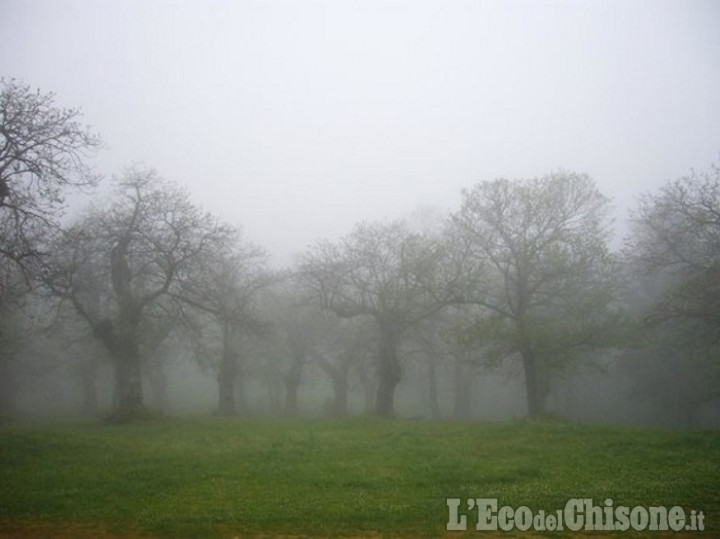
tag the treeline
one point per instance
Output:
(519, 278)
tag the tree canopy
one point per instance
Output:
(537, 265)
(383, 271)
(676, 237)
(43, 149)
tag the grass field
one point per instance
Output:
(215, 477)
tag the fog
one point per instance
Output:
(299, 119)
(367, 123)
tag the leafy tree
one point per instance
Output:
(121, 262)
(673, 255)
(385, 272)
(537, 266)
(676, 238)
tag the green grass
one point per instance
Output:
(357, 477)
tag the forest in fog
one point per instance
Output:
(134, 300)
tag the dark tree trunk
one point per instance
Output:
(338, 374)
(128, 377)
(125, 355)
(120, 338)
(534, 395)
(463, 390)
(389, 373)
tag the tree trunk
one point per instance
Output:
(128, 379)
(463, 390)
(338, 374)
(535, 399)
(227, 375)
(339, 377)
(121, 338)
(389, 373)
(125, 355)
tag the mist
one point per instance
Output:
(295, 124)
(297, 120)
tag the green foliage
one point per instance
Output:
(676, 240)
(537, 269)
(223, 478)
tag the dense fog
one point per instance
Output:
(476, 211)
(512, 306)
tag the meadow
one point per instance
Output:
(364, 477)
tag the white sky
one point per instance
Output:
(297, 119)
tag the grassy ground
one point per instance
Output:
(357, 477)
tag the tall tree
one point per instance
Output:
(224, 285)
(673, 254)
(10, 331)
(303, 330)
(132, 255)
(348, 346)
(385, 272)
(297, 332)
(538, 267)
(676, 238)
(43, 148)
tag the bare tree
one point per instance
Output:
(224, 285)
(136, 251)
(348, 346)
(538, 268)
(43, 148)
(387, 273)
(298, 332)
(302, 328)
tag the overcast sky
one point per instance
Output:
(298, 119)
